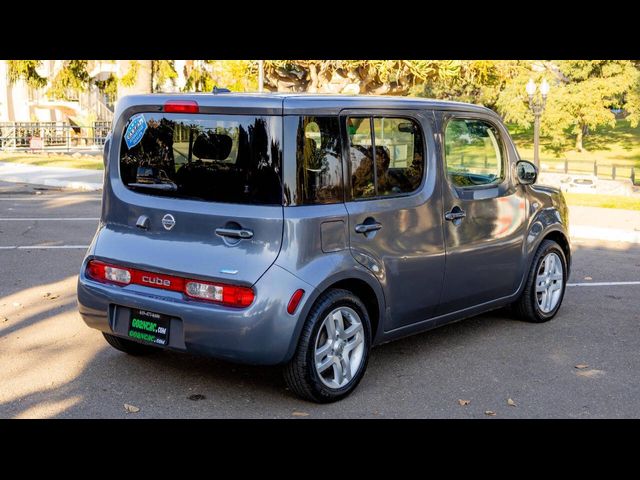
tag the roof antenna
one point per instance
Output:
(217, 90)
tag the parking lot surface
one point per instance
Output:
(582, 364)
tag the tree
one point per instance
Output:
(582, 95)
(378, 77)
(236, 75)
(26, 70)
(73, 76)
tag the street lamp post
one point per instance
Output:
(537, 107)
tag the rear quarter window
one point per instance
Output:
(216, 158)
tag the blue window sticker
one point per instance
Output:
(135, 131)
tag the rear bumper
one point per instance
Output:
(264, 333)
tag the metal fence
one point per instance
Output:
(606, 171)
(33, 136)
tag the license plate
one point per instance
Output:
(149, 327)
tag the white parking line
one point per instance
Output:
(44, 219)
(44, 247)
(600, 284)
(52, 197)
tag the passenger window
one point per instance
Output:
(361, 157)
(397, 147)
(319, 160)
(399, 155)
(473, 153)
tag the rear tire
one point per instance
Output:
(128, 346)
(545, 285)
(333, 349)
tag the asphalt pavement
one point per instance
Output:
(582, 364)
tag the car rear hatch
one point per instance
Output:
(193, 191)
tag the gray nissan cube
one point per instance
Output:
(301, 230)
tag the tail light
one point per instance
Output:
(228, 295)
(108, 273)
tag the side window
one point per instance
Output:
(399, 155)
(319, 160)
(361, 157)
(473, 153)
(396, 144)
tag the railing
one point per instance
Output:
(608, 171)
(96, 101)
(60, 136)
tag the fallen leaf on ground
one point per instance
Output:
(591, 373)
(588, 278)
(491, 413)
(300, 414)
(463, 403)
(50, 296)
(581, 366)
(131, 408)
(5, 319)
(510, 402)
(196, 396)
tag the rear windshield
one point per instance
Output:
(216, 158)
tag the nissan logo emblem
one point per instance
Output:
(168, 221)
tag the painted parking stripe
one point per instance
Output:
(44, 247)
(92, 198)
(601, 284)
(45, 219)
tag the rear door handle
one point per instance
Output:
(456, 213)
(368, 227)
(241, 233)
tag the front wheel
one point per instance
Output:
(333, 350)
(546, 283)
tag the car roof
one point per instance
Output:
(295, 103)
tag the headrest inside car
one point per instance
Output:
(212, 146)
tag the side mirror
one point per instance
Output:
(527, 172)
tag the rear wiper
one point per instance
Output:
(169, 187)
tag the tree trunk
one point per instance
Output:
(313, 73)
(582, 131)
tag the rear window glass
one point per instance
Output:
(217, 158)
(318, 160)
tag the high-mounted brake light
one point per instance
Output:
(181, 106)
(228, 295)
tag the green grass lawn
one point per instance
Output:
(605, 145)
(602, 201)
(89, 163)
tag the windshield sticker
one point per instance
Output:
(135, 131)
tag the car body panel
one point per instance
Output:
(484, 249)
(407, 254)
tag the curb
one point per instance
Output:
(52, 182)
(72, 185)
(606, 234)
(22, 173)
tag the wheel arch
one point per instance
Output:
(357, 280)
(561, 239)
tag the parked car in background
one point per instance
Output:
(302, 230)
(579, 184)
